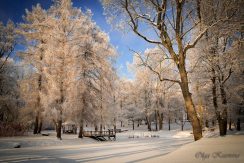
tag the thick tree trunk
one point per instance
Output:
(59, 128)
(196, 126)
(121, 123)
(36, 124)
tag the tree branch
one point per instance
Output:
(154, 71)
(189, 46)
(134, 25)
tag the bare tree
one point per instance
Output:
(171, 24)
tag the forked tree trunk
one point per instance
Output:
(196, 126)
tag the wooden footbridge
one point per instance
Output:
(100, 135)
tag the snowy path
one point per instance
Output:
(124, 150)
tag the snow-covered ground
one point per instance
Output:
(131, 146)
(228, 149)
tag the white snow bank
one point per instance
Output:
(209, 150)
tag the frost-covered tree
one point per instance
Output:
(219, 53)
(34, 34)
(9, 91)
(73, 58)
(169, 25)
(11, 102)
(7, 41)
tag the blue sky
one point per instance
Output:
(15, 9)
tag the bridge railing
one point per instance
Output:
(99, 133)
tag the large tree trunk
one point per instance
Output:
(196, 126)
